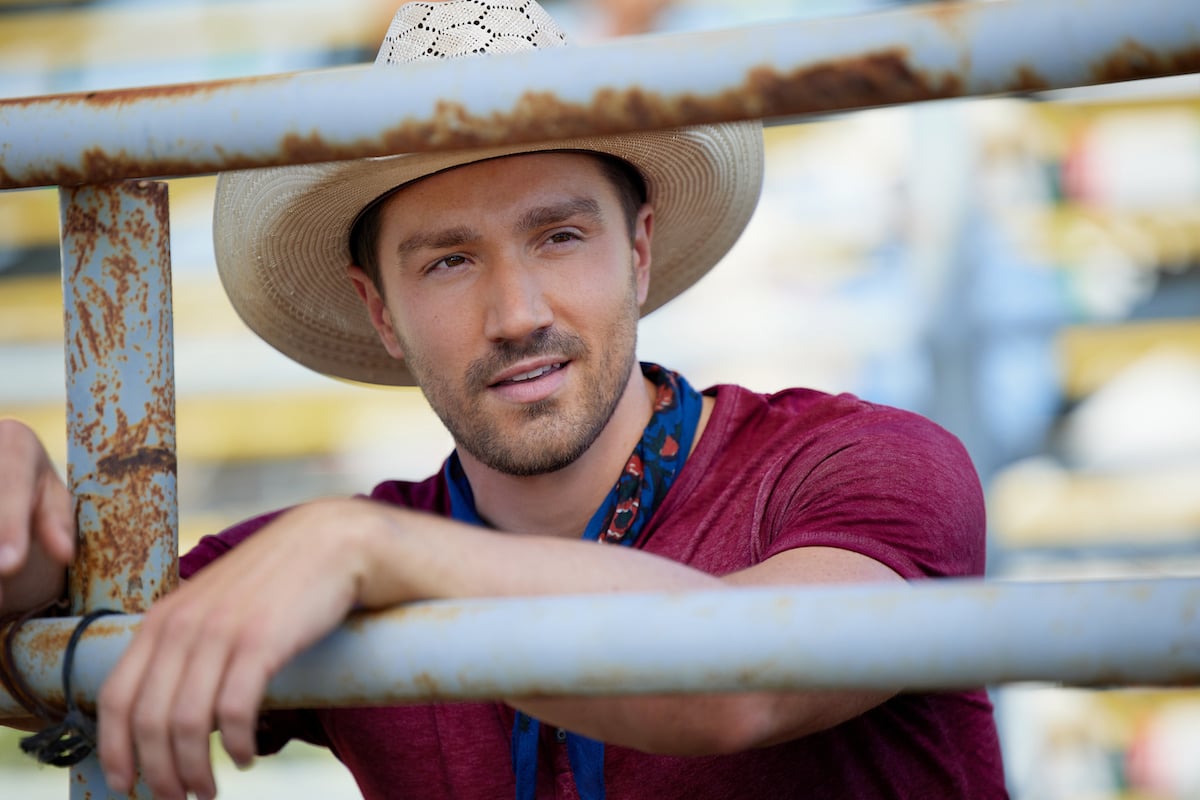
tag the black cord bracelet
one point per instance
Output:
(72, 736)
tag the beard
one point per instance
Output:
(551, 434)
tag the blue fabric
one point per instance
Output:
(587, 764)
(621, 519)
(524, 756)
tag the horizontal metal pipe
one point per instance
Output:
(924, 636)
(779, 70)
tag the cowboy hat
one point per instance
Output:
(282, 235)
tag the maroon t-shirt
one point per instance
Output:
(770, 473)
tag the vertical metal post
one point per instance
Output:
(120, 405)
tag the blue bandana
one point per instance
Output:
(620, 519)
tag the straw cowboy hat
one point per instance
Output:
(282, 234)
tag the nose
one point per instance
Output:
(516, 303)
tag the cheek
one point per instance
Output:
(607, 281)
(433, 333)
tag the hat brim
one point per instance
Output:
(281, 235)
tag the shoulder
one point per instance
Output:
(428, 495)
(837, 471)
(803, 420)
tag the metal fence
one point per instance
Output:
(117, 287)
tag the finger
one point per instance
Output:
(18, 466)
(194, 716)
(154, 717)
(114, 708)
(291, 618)
(175, 711)
(190, 744)
(239, 700)
(54, 519)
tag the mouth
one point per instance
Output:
(529, 374)
(531, 382)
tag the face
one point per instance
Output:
(513, 290)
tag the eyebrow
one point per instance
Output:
(449, 238)
(534, 218)
(543, 216)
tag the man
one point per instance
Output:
(508, 283)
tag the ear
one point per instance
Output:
(377, 310)
(643, 233)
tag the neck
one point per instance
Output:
(561, 503)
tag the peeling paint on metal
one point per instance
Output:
(120, 393)
(948, 50)
(955, 634)
(1028, 80)
(1134, 60)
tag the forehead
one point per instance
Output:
(497, 182)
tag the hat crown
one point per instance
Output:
(422, 31)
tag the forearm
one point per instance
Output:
(701, 724)
(421, 557)
(437, 558)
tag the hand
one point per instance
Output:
(203, 655)
(37, 527)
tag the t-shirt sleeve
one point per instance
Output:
(210, 548)
(890, 485)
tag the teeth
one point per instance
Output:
(537, 373)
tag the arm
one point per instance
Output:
(728, 723)
(460, 562)
(205, 653)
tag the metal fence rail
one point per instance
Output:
(924, 636)
(929, 635)
(782, 70)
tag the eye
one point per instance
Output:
(447, 262)
(562, 237)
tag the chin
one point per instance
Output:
(529, 462)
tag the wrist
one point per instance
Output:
(375, 536)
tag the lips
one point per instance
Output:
(532, 374)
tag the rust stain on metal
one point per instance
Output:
(121, 467)
(49, 643)
(172, 92)
(124, 552)
(873, 79)
(117, 97)
(1133, 60)
(949, 14)
(98, 167)
(440, 612)
(1028, 80)
(437, 612)
(127, 499)
(427, 685)
(882, 77)
(134, 516)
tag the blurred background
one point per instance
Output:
(1025, 271)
